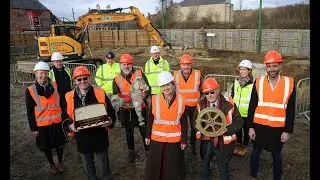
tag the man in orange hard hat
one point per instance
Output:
(221, 147)
(92, 142)
(271, 113)
(127, 115)
(188, 82)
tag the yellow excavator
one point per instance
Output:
(70, 40)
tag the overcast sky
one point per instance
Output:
(63, 8)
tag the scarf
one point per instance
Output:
(243, 80)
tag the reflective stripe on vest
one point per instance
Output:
(152, 72)
(242, 96)
(272, 105)
(233, 137)
(166, 125)
(191, 93)
(108, 73)
(49, 111)
(53, 78)
(124, 85)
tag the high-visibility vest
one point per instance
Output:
(226, 139)
(272, 105)
(105, 75)
(152, 72)
(53, 78)
(189, 89)
(242, 96)
(166, 126)
(124, 85)
(46, 111)
(98, 92)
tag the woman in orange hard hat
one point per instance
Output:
(44, 116)
(92, 143)
(166, 132)
(223, 146)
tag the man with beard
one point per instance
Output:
(188, 82)
(271, 114)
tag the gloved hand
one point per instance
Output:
(127, 98)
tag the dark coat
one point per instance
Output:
(128, 118)
(167, 157)
(267, 137)
(236, 125)
(93, 139)
(51, 136)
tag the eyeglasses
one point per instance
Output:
(84, 79)
(211, 92)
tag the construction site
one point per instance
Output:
(215, 52)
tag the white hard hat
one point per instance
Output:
(56, 56)
(154, 49)
(164, 78)
(246, 63)
(41, 66)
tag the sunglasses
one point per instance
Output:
(84, 79)
(207, 93)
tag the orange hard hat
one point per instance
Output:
(272, 57)
(126, 58)
(209, 85)
(185, 59)
(80, 71)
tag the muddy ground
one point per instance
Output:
(27, 162)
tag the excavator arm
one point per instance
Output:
(101, 17)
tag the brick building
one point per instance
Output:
(29, 15)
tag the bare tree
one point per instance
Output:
(240, 4)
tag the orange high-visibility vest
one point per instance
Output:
(166, 126)
(98, 92)
(272, 105)
(226, 139)
(189, 89)
(46, 111)
(124, 85)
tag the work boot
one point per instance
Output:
(236, 150)
(193, 150)
(242, 150)
(53, 169)
(60, 168)
(131, 156)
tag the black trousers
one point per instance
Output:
(190, 111)
(243, 134)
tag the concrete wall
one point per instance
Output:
(218, 12)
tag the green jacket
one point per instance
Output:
(241, 97)
(53, 78)
(152, 71)
(105, 75)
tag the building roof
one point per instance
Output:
(27, 4)
(185, 3)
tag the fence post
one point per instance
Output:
(225, 39)
(300, 43)
(195, 39)
(136, 34)
(23, 43)
(278, 41)
(100, 38)
(240, 43)
(255, 42)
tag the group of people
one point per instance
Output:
(259, 110)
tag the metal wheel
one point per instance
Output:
(211, 122)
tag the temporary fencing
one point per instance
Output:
(303, 98)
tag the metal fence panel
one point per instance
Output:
(303, 98)
(91, 67)
(225, 82)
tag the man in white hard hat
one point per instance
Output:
(62, 76)
(155, 65)
(241, 94)
(44, 116)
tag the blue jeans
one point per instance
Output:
(210, 151)
(101, 159)
(277, 163)
(130, 137)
